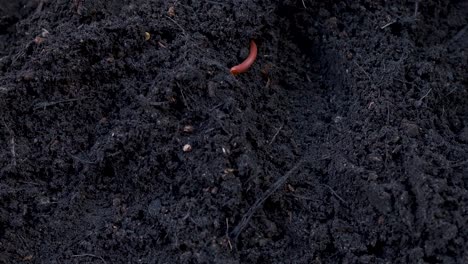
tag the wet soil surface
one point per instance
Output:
(125, 139)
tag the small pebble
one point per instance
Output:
(171, 11)
(187, 148)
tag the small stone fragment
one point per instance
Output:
(171, 11)
(187, 148)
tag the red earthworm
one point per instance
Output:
(244, 66)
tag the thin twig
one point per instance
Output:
(458, 35)
(419, 102)
(458, 164)
(12, 143)
(177, 24)
(364, 71)
(89, 255)
(416, 9)
(246, 218)
(276, 134)
(158, 104)
(227, 234)
(405, 19)
(302, 197)
(47, 104)
(183, 96)
(451, 91)
(13, 151)
(425, 95)
(82, 160)
(388, 24)
(39, 7)
(217, 3)
(335, 194)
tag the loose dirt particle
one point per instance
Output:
(188, 129)
(39, 40)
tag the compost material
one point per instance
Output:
(124, 138)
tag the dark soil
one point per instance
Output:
(368, 100)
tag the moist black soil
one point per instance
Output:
(125, 139)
